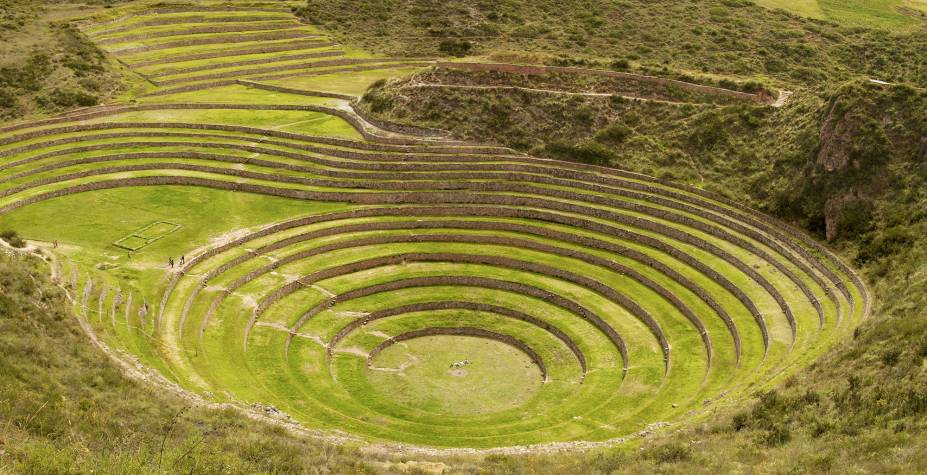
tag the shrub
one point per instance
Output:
(455, 47)
(886, 242)
(777, 435)
(922, 349)
(90, 84)
(611, 462)
(499, 114)
(13, 239)
(377, 101)
(66, 99)
(613, 134)
(740, 421)
(669, 453)
(620, 65)
(585, 152)
(30, 76)
(617, 100)
(891, 357)
(80, 66)
(7, 100)
(728, 84)
(854, 218)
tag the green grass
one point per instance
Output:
(99, 218)
(882, 14)
(147, 235)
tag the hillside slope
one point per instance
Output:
(46, 65)
(723, 37)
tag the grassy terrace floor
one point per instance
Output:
(394, 286)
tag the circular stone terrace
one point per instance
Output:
(460, 295)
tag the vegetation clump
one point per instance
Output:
(12, 238)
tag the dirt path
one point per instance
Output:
(282, 328)
(545, 91)
(782, 99)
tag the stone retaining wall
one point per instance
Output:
(379, 144)
(486, 212)
(466, 199)
(722, 210)
(491, 226)
(421, 198)
(462, 305)
(276, 48)
(696, 224)
(610, 294)
(194, 30)
(604, 290)
(272, 69)
(407, 64)
(233, 64)
(468, 281)
(183, 20)
(107, 111)
(279, 35)
(287, 90)
(212, 8)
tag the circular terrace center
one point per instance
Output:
(454, 375)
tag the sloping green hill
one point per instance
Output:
(884, 14)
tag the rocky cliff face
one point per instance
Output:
(868, 134)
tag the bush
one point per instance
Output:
(30, 76)
(377, 101)
(80, 66)
(620, 65)
(777, 435)
(13, 239)
(90, 84)
(854, 218)
(66, 99)
(891, 357)
(611, 462)
(669, 453)
(740, 421)
(7, 100)
(586, 152)
(455, 47)
(613, 134)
